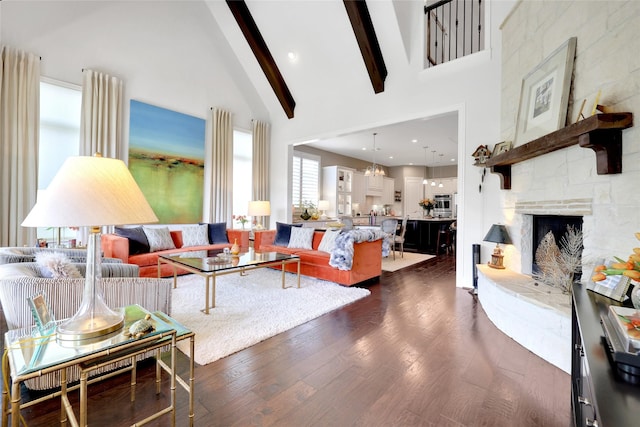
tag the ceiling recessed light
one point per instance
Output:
(414, 140)
(391, 157)
(364, 148)
(292, 56)
(453, 160)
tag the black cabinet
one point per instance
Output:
(599, 397)
(422, 235)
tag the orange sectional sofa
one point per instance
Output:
(115, 246)
(367, 259)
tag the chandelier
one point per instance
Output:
(374, 169)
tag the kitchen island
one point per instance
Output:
(422, 234)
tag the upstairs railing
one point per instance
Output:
(453, 29)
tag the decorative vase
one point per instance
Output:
(235, 249)
(305, 215)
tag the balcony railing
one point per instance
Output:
(453, 29)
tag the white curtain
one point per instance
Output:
(261, 142)
(19, 132)
(101, 122)
(218, 171)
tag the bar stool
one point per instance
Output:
(444, 239)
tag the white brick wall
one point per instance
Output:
(607, 59)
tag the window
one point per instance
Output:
(305, 179)
(242, 171)
(60, 105)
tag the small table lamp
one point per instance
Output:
(498, 234)
(258, 208)
(91, 192)
(323, 205)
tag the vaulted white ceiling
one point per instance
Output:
(328, 70)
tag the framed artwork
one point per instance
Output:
(502, 147)
(544, 96)
(166, 158)
(41, 314)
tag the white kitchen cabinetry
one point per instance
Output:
(337, 186)
(374, 185)
(388, 190)
(358, 190)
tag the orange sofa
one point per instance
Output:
(367, 259)
(114, 246)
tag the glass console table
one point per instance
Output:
(30, 355)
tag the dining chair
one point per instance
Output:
(348, 222)
(399, 238)
(390, 227)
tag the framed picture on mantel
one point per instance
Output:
(544, 96)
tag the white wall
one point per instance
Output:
(168, 53)
(608, 42)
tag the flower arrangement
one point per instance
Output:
(426, 204)
(242, 219)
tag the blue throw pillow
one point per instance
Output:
(138, 242)
(218, 233)
(283, 233)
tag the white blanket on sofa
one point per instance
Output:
(342, 255)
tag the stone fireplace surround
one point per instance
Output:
(535, 315)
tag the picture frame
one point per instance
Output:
(41, 313)
(614, 287)
(544, 95)
(502, 147)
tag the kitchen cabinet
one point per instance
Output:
(374, 185)
(358, 190)
(337, 184)
(388, 188)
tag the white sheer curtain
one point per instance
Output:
(19, 131)
(101, 123)
(261, 142)
(218, 171)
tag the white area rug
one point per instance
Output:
(251, 308)
(410, 258)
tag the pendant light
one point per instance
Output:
(440, 185)
(425, 181)
(433, 183)
(374, 169)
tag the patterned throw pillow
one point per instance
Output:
(195, 235)
(57, 265)
(328, 241)
(159, 238)
(301, 238)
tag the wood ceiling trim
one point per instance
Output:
(260, 50)
(368, 42)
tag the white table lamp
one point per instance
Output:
(257, 209)
(323, 205)
(91, 192)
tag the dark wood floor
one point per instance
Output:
(417, 352)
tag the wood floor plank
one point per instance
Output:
(417, 352)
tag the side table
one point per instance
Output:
(30, 355)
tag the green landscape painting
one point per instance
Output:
(166, 158)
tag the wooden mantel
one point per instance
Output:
(601, 132)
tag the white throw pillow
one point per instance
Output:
(328, 241)
(301, 238)
(159, 238)
(59, 266)
(195, 235)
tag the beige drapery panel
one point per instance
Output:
(101, 122)
(19, 132)
(261, 144)
(218, 171)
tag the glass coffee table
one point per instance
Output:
(210, 264)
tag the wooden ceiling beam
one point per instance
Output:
(368, 42)
(260, 50)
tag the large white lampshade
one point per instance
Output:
(91, 192)
(259, 208)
